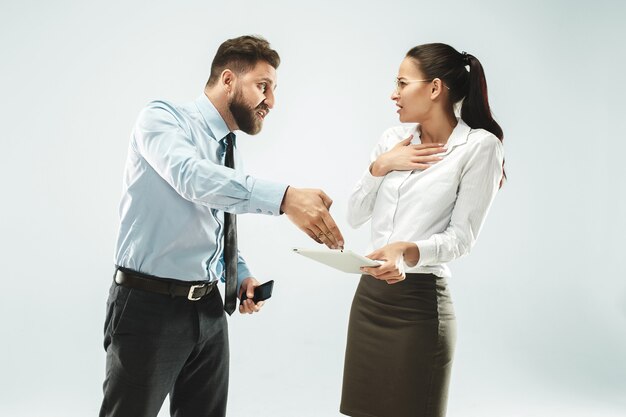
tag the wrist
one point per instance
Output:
(378, 168)
(411, 253)
(283, 203)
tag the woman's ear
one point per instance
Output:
(436, 88)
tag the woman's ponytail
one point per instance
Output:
(475, 109)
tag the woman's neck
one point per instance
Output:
(438, 129)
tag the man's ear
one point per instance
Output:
(227, 79)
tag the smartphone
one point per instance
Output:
(262, 292)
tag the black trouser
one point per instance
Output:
(158, 345)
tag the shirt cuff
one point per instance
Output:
(428, 252)
(266, 197)
(370, 183)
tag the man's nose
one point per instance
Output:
(269, 99)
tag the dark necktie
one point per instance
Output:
(230, 240)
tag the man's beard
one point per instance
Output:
(244, 115)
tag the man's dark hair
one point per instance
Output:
(240, 55)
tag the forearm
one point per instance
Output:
(443, 247)
(379, 168)
(362, 199)
(202, 181)
(225, 189)
(243, 271)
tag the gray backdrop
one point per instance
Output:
(541, 301)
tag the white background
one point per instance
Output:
(541, 301)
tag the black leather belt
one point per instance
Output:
(175, 288)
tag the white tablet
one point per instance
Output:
(341, 259)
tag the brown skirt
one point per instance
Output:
(400, 346)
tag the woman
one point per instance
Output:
(427, 192)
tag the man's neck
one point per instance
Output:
(219, 99)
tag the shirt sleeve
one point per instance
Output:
(243, 271)
(161, 138)
(363, 197)
(479, 184)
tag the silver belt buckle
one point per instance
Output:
(192, 289)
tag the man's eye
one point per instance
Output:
(263, 87)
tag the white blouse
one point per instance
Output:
(441, 209)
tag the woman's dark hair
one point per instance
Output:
(438, 60)
(241, 55)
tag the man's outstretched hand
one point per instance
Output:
(308, 209)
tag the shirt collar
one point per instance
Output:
(458, 136)
(212, 117)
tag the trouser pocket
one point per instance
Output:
(116, 306)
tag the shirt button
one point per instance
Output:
(258, 210)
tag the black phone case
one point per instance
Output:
(261, 293)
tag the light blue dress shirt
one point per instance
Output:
(176, 189)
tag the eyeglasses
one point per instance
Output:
(400, 83)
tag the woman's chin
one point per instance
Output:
(405, 119)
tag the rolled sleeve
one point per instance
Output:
(266, 197)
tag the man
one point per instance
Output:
(165, 330)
